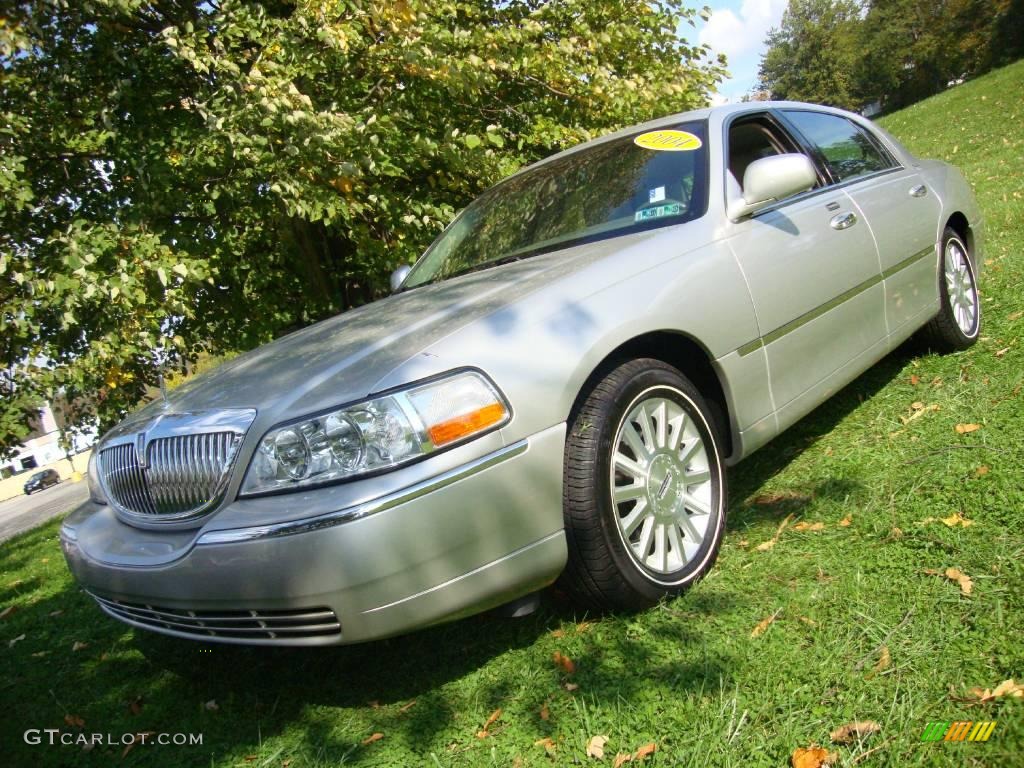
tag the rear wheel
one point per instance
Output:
(958, 322)
(644, 495)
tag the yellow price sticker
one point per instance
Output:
(668, 141)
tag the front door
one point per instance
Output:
(812, 270)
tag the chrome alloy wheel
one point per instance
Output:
(963, 295)
(661, 483)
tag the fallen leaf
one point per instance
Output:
(764, 546)
(1006, 688)
(406, 707)
(55, 614)
(18, 639)
(803, 525)
(812, 757)
(595, 747)
(966, 585)
(545, 713)
(777, 497)
(372, 738)
(8, 611)
(484, 732)
(74, 721)
(570, 687)
(854, 731)
(981, 471)
(645, 750)
(558, 633)
(621, 759)
(1002, 351)
(808, 621)
(918, 410)
(547, 743)
(763, 624)
(846, 522)
(567, 664)
(1009, 688)
(584, 626)
(884, 660)
(40, 654)
(493, 718)
(914, 379)
(963, 429)
(79, 646)
(211, 705)
(896, 533)
(957, 519)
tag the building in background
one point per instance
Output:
(42, 447)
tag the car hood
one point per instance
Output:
(342, 359)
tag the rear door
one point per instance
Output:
(898, 207)
(812, 270)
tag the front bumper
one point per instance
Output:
(446, 546)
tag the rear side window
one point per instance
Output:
(849, 150)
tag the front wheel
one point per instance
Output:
(645, 494)
(958, 322)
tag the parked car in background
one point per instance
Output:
(41, 480)
(553, 391)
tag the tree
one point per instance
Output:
(813, 54)
(849, 54)
(915, 48)
(180, 178)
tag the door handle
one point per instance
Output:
(919, 191)
(843, 220)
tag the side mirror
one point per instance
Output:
(398, 277)
(770, 179)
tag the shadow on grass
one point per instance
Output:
(754, 472)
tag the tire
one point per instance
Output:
(958, 322)
(664, 533)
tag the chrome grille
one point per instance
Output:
(177, 468)
(244, 625)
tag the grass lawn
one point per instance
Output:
(867, 625)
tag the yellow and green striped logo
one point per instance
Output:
(961, 730)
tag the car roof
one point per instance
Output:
(721, 112)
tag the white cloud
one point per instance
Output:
(740, 34)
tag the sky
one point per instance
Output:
(737, 28)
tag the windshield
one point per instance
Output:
(639, 182)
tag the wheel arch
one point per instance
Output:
(682, 352)
(958, 222)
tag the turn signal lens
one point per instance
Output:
(468, 424)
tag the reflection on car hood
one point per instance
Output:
(341, 359)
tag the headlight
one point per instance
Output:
(93, 477)
(376, 434)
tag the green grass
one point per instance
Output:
(686, 675)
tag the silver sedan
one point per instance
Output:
(552, 392)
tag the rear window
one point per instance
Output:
(849, 150)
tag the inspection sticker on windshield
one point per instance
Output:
(646, 214)
(668, 141)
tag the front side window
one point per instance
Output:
(847, 148)
(604, 191)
